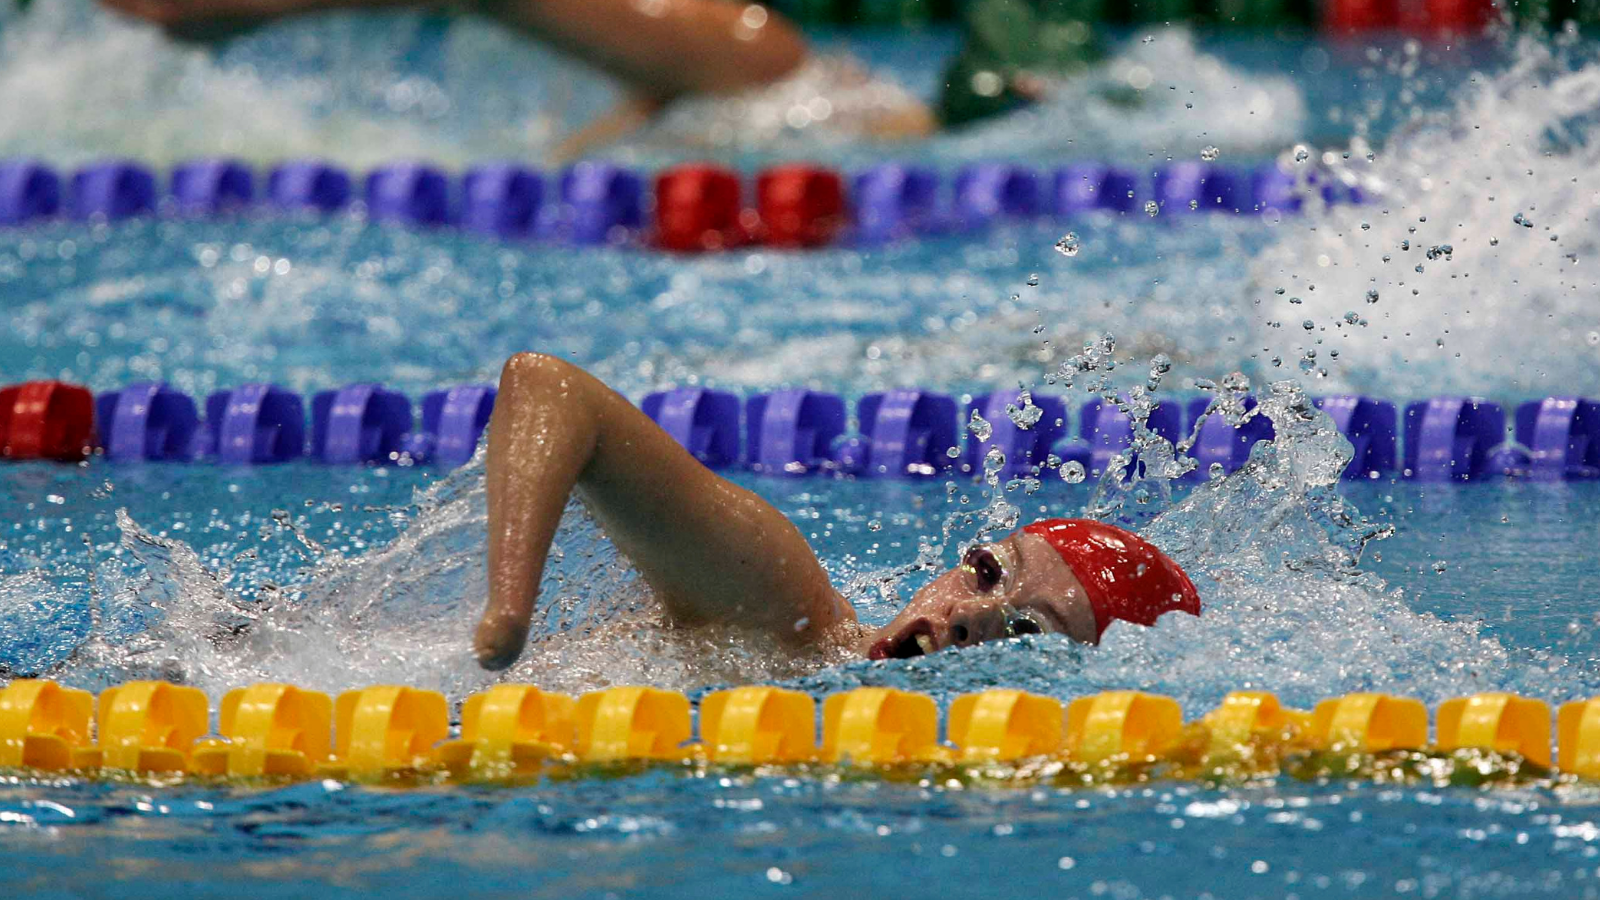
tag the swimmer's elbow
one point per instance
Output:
(529, 364)
(529, 371)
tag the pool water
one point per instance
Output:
(340, 577)
(734, 833)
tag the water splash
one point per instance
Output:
(357, 89)
(1468, 266)
(1276, 553)
(1162, 91)
(399, 614)
(363, 89)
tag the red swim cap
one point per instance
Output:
(1125, 576)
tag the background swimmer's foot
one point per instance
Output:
(912, 121)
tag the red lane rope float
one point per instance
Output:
(46, 420)
(699, 208)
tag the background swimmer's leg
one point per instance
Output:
(665, 48)
(710, 550)
(659, 48)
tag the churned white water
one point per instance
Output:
(1472, 270)
(362, 90)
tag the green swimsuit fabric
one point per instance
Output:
(1009, 38)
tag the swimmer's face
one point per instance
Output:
(1019, 585)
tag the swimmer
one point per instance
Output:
(713, 552)
(666, 52)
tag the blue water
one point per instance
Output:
(355, 576)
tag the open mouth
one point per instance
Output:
(915, 640)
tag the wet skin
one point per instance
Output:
(1018, 585)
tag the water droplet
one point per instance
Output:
(1194, 204)
(1210, 153)
(1301, 154)
(1150, 208)
(1068, 245)
(993, 462)
(1217, 471)
(1024, 414)
(980, 427)
(1072, 472)
(1440, 566)
(1033, 280)
(1372, 295)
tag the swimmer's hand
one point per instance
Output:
(710, 550)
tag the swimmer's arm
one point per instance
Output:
(710, 550)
